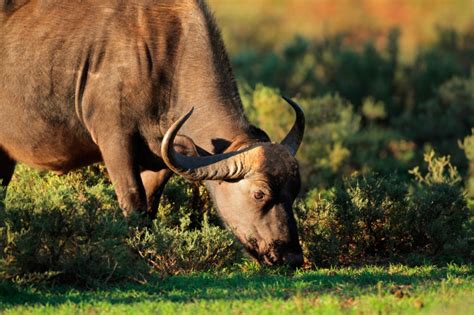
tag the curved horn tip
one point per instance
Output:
(286, 98)
(294, 138)
(188, 114)
(291, 102)
(180, 121)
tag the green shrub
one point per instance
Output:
(442, 121)
(449, 56)
(184, 199)
(178, 250)
(70, 229)
(373, 110)
(378, 217)
(381, 150)
(329, 65)
(362, 220)
(356, 71)
(439, 214)
(468, 146)
(62, 228)
(324, 155)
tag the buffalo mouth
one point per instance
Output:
(275, 254)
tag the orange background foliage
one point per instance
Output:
(270, 23)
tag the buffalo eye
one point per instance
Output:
(259, 195)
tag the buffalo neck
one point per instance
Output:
(203, 79)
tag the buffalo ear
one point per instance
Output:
(259, 134)
(186, 146)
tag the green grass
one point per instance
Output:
(394, 289)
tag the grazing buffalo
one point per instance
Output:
(84, 81)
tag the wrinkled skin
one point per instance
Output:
(85, 81)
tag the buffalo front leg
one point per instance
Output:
(7, 167)
(119, 159)
(154, 183)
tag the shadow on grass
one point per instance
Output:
(238, 286)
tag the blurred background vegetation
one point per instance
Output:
(387, 161)
(270, 24)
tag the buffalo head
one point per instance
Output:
(253, 187)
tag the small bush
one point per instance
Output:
(468, 146)
(442, 120)
(324, 155)
(438, 209)
(63, 229)
(184, 199)
(375, 217)
(362, 220)
(178, 250)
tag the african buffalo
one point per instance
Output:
(84, 81)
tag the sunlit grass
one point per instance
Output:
(393, 289)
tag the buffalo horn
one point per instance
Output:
(215, 167)
(294, 138)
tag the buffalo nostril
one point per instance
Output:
(294, 260)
